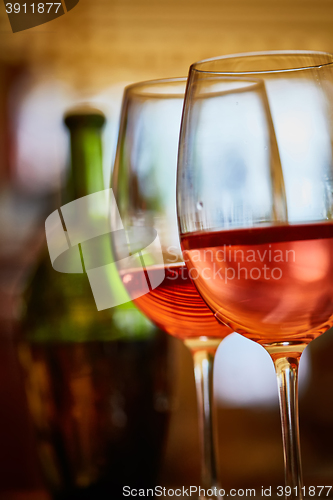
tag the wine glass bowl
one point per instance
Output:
(294, 298)
(144, 183)
(256, 222)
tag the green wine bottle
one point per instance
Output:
(96, 381)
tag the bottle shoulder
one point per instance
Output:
(61, 307)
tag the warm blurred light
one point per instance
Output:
(42, 146)
(41, 142)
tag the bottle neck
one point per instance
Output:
(86, 172)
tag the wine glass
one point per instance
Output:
(270, 238)
(149, 257)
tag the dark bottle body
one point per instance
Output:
(97, 381)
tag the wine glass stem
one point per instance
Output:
(287, 376)
(203, 370)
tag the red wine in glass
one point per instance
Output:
(277, 280)
(175, 305)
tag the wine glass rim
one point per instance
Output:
(145, 88)
(246, 55)
(243, 85)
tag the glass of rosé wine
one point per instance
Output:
(154, 274)
(261, 243)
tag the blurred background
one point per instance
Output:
(89, 55)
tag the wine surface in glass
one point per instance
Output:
(175, 305)
(272, 284)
